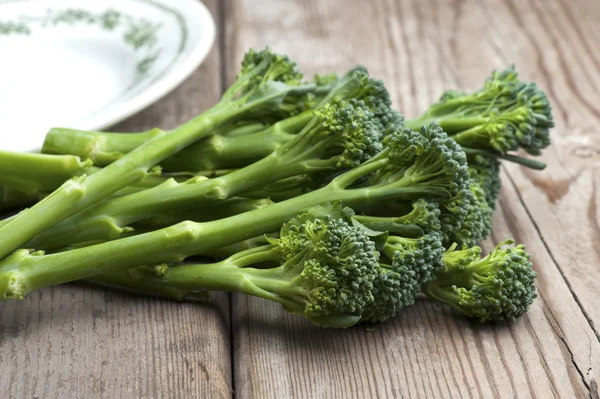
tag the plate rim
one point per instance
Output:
(171, 78)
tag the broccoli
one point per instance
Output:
(264, 87)
(104, 148)
(504, 115)
(340, 136)
(235, 147)
(433, 159)
(437, 172)
(406, 262)
(498, 286)
(206, 212)
(485, 171)
(322, 267)
(477, 225)
(485, 186)
(435, 175)
(26, 178)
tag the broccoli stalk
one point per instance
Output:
(339, 137)
(206, 213)
(503, 116)
(496, 287)
(322, 268)
(225, 149)
(418, 174)
(27, 177)
(104, 148)
(436, 174)
(38, 173)
(264, 87)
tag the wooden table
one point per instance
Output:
(81, 342)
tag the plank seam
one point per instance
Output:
(221, 38)
(564, 341)
(560, 270)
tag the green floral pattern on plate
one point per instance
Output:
(138, 33)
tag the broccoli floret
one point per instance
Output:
(498, 286)
(431, 159)
(407, 262)
(504, 115)
(337, 279)
(324, 84)
(485, 186)
(477, 225)
(485, 172)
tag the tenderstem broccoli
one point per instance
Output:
(226, 148)
(485, 185)
(104, 148)
(206, 213)
(498, 286)
(29, 177)
(266, 86)
(321, 267)
(410, 256)
(26, 178)
(418, 174)
(496, 120)
(504, 115)
(432, 158)
(339, 137)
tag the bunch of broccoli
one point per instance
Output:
(317, 195)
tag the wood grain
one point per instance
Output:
(420, 48)
(81, 341)
(76, 341)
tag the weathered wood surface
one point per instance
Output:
(76, 341)
(419, 48)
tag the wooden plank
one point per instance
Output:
(77, 341)
(560, 51)
(421, 48)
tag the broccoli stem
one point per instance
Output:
(390, 225)
(11, 198)
(227, 148)
(78, 193)
(107, 220)
(435, 292)
(241, 128)
(230, 152)
(102, 148)
(206, 213)
(29, 177)
(530, 163)
(232, 249)
(33, 174)
(232, 275)
(452, 124)
(23, 272)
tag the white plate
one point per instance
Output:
(88, 64)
